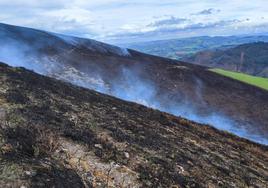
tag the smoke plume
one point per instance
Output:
(128, 85)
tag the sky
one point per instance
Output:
(127, 21)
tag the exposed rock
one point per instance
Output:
(126, 155)
(98, 146)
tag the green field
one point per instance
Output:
(252, 80)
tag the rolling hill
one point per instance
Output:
(249, 58)
(54, 134)
(179, 88)
(185, 47)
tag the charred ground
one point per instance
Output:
(57, 134)
(81, 61)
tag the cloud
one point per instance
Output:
(106, 19)
(185, 28)
(208, 11)
(169, 21)
(33, 4)
(183, 24)
(221, 23)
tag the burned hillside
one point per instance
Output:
(57, 134)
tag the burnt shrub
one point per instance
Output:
(57, 176)
(16, 96)
(30, 141)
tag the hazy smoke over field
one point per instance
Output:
(128, 85)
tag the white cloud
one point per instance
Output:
(208, 11)
(110, 19)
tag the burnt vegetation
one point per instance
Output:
(54, 134)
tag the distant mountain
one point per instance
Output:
(55, 134)
(181, 48)
(249, 58)
(179, 88)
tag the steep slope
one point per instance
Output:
(176, 87)
(249, 58)
(54, 134)
(182, 48)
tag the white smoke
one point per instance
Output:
(129, 86)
